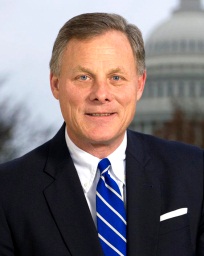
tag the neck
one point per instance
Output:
(98, 149)
(101, 150)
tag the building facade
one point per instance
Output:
(175, 68)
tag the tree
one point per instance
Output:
(15, 134)
(185, 127)
(6, 134)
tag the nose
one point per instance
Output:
(101, 92)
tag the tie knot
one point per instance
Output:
(103, 165)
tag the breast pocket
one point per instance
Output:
(175, 237)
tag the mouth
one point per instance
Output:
(100, 114)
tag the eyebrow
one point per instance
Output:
(80, 68)
(117, 70)
(111, 71)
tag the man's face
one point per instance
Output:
(98, 88)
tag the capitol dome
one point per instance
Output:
(175, 67)
(182, 33)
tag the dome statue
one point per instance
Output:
(175, 67)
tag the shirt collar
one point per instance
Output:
(86, 164)
(117, 159)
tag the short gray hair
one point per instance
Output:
(89, 25)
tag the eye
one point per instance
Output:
(83, 77)
(116, 78)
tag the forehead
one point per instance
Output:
(111, 42)
(93, 36)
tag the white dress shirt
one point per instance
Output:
(86, 167)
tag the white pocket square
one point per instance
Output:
(173, 214)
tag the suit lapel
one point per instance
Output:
(143, 198)
(67, 202)
(70, 211)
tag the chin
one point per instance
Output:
(103, 138)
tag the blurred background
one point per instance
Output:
(173, 102)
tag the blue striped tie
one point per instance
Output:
(111, 216)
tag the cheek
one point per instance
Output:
(129, 99)
(71, 103)
(66, 103)
(129, 105)
(67, 96)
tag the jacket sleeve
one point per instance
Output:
(200, 246)
(200, 240)
(6, 243)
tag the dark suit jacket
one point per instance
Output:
(43, 211)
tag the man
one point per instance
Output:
(50, 198)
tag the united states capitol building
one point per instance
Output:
(175, 67)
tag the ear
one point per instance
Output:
(141, 84)
(54, 84)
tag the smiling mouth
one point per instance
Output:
(100, 114)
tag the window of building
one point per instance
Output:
(170, 91)
(181, 89)
(192, 89)
(192, 45)
(183, 45)
(160, 90)
(174, 46)
(202, 89)
(200, 46)
(150, 90)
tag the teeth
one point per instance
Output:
(95, 114)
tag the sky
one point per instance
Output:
(28, 30)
